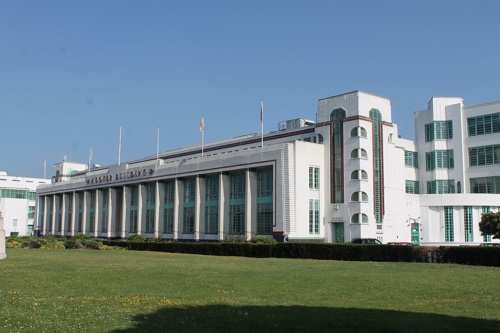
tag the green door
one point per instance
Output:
(338, 232)
(415, 233)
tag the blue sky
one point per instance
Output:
(72, 71)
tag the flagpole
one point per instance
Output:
(262, 122)
(202, 130)
(120, 145)
(158, 144)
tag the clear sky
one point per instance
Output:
(72, 71)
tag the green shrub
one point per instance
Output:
(263, 240)
(53, 245)
(83, 242)
(137, 238)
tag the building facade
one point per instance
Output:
(17, 203)
(346, 175)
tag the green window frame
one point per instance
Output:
(441, 186)
(314, 178)
(468, 224)
(485, 185)
(313, 217)
(439, 130)
(412, 187)
(237, 219)
(448, 224)
(439, 159)
(134, 202)
(484, 155)
(483, 125)
(168, 206)
(104, 211)
(411, 159)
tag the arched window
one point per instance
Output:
(356, 217)
(358, 132)
(359, 153)
(359, 174)
(359, 196)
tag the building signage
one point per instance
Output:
(119, 176)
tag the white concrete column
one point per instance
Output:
(74, 212)
(99, 199)
(224, 196)
(112, 214)
(159, 207)
(251, 204)
(178, 211)
(125, 221)
(86, 213)
(199, 222)
(54, 213)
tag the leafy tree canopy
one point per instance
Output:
(490, 224)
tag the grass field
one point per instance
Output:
(126, 291)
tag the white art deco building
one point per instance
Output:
(17, 203)
(346, 175)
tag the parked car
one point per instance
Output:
(401, 243)
(366, 241)
(489, 244)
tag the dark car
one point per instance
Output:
(489, 244)
(401, 243)
(366, 241)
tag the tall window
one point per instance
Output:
(486, 155)
(168, 206)
(486, 210)
(314, 178)
(439, 130)
(265, 209)
(92, 211)
(448, 224)
(439, 159)
(59, 214)
(468, 224)
(189, 203)
(150, 206)
(313, 217)
(237, 189)
(212, 204)
(104, 212)
(134, 204)
(79, 221)
(376, 117)
(336, 117)
(412, 187)
(237, 219)
(69, 210)
(482, 125)
(411, 159)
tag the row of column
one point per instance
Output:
(107, 213)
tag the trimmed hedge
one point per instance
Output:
(469, 255)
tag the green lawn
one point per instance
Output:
(126, 291)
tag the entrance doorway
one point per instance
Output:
(338, 232)
(415, 233)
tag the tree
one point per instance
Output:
(490, 224)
